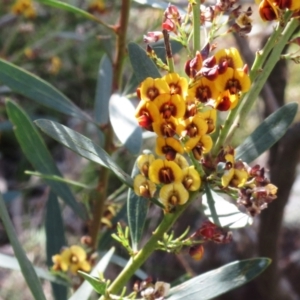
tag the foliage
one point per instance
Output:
(192, 157)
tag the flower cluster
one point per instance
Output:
(184, 116)
(174, 177)
(271, 10)
(72, 259)
(25, 8)
(255, 191)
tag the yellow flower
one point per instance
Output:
(240, 177)
(143, 186)
(181, 161)
(196, 252)
(210, 117)
(203, 146)
(73, 259)
(147, 113)
(144, 161)
(165, 127)
(170, 105)
(234, 80)
(268, 11)
(164, 171)
(24, 7)
(168, 147)
(203, 90)
(55, 65)
(231, 56)
(173, 194)
(151, 88)
(226, 101)
(193, 127)
(229, 171)
(97, 6)
(191, 179)
(178, 85)
(235, 172)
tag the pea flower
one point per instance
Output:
(72, 259)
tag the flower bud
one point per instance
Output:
(196, 252)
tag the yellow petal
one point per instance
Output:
(204, 90)
(181, 161)
(173, 194)
(178, 85)
(151, 88)
(232, 56)
(191, 179)
(170, 105)
(226, 178)
(210, 117)
(165, 127)
(143, 187)
(143, 163)
(163, 171)
(162, 145)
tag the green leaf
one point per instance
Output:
(98, 285)
(103, 90)
(125, 125)
(38, 155)
(142, 65)
(10, 262)
(25, 265)
(55, 239)
(69, 8)
(222, 213)
(61, 179)
(137, 209)
(219, 281)
(85, 290)
(82, 146)
(34, 88)
(267, 133)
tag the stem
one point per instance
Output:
(168, 48)
(196, 26)
(263, 55)
(135, 262)
(258, 78)
(262, 78)
(121, 30)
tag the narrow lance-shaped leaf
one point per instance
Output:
(10, 262)
(38, 155)
(55, 239)
(142, 65)
(82, 146)
(103, 90)
(267, 133)
(219, 281)
(35, 88)
(126, 127)
(69, 8)
(137, 208)
(26, 266)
